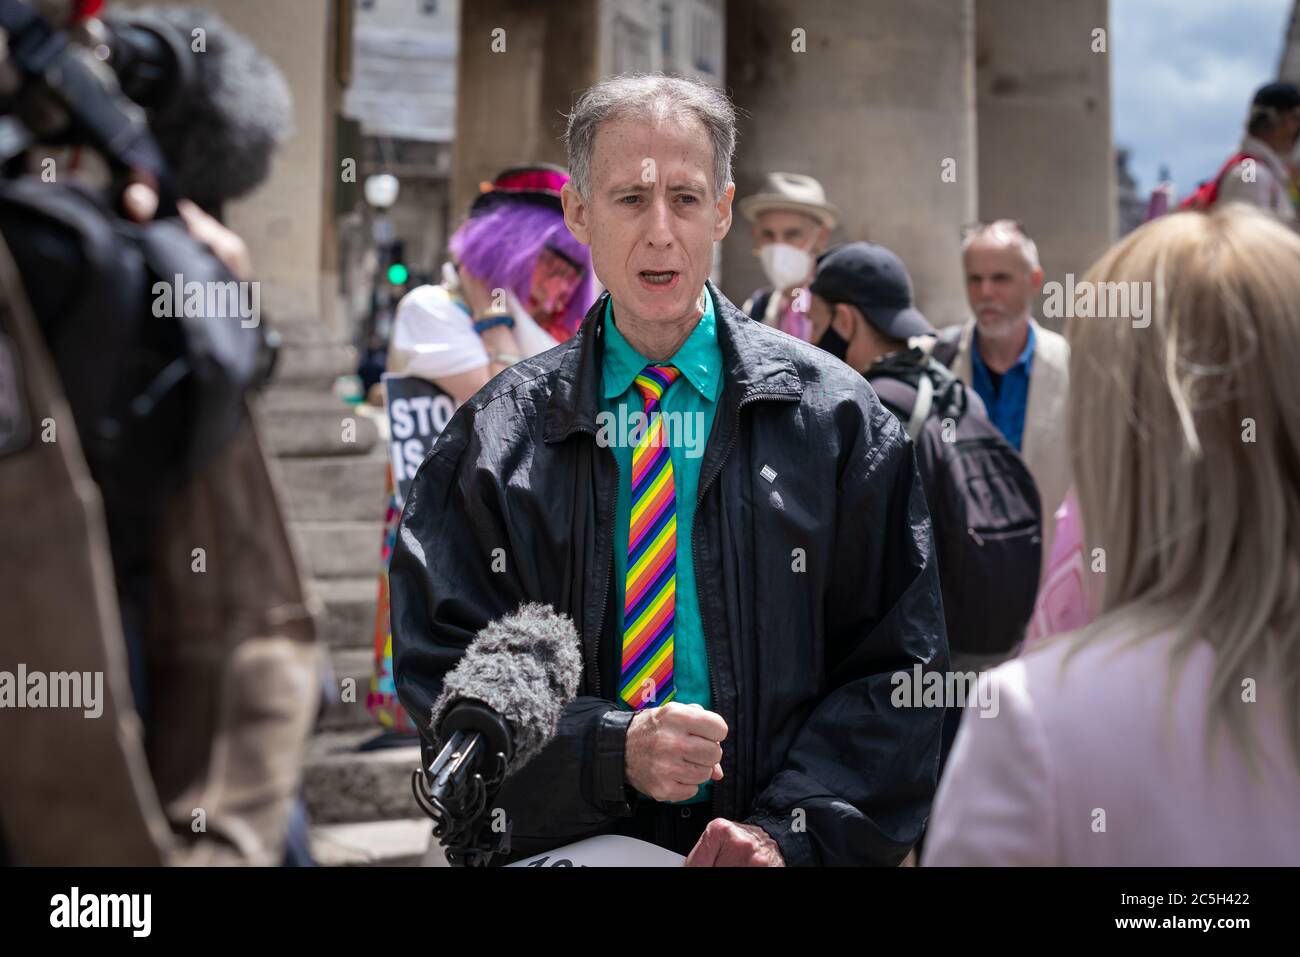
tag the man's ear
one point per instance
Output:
(823, 237)
(722, 210)
(1036, 279)
(575, 213)
(845, 320)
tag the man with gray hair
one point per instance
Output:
(1020, 369)
(742, 604)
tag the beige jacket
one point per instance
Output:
(1043, 445)
(232, 655)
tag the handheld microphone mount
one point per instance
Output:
(461, 781)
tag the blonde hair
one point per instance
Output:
(1185, 440)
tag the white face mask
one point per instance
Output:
(786, 266)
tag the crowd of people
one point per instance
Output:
(1032, 453)
(850, 589)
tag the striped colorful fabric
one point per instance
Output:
(649, 603)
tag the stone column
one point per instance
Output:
(520, 64)
(878, 108)
(1289, 64)
(1045, 150)
(288, 221)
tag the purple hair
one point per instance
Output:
(502, 245)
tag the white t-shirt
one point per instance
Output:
(433, 335)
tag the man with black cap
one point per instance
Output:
(988, 544)
(1259, 173)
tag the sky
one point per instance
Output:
(1183, 72)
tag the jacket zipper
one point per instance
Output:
(695, 527)
(609, 574)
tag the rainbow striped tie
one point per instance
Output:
(650, 601)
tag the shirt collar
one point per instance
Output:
(699, 358)
(1026, 354)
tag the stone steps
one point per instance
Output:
(314, 363)
(331, 466)
(337, 430)
(335, 488)
(344, 785)
(340, 715)
(396, 843)
(349, 611)
(332, 550)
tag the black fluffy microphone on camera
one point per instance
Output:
(217, 107)
(498, 708)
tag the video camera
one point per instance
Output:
(154, 393)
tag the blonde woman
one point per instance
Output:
(1167, 732)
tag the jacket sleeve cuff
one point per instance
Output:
(611, 745)
(794, 845)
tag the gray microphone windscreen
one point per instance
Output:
(221, 132)
(525, 666)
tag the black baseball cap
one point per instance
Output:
(876, 281)
(1279, 96)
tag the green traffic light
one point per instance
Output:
(398, 274)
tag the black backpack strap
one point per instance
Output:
(947, 344)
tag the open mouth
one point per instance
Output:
(659, 280)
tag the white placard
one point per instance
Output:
(607, 850)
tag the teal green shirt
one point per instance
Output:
(688, 407)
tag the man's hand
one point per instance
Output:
(225, 244)
(728, 844)
(673, 749)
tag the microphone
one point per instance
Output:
(218, 111)
(499, 707)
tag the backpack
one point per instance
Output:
(1206, 194)
(984, 505)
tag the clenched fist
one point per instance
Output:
(673, 749)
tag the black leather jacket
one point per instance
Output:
(816, 585)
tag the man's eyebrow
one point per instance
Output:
(640, 186)
(635, 187)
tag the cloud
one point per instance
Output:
(1183, 72)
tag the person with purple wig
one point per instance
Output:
(518, 284)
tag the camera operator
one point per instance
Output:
(145, 546)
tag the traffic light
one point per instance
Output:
(397, 271)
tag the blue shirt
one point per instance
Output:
(1006, 407)
(688, 408)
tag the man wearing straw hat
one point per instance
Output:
(791, 222)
